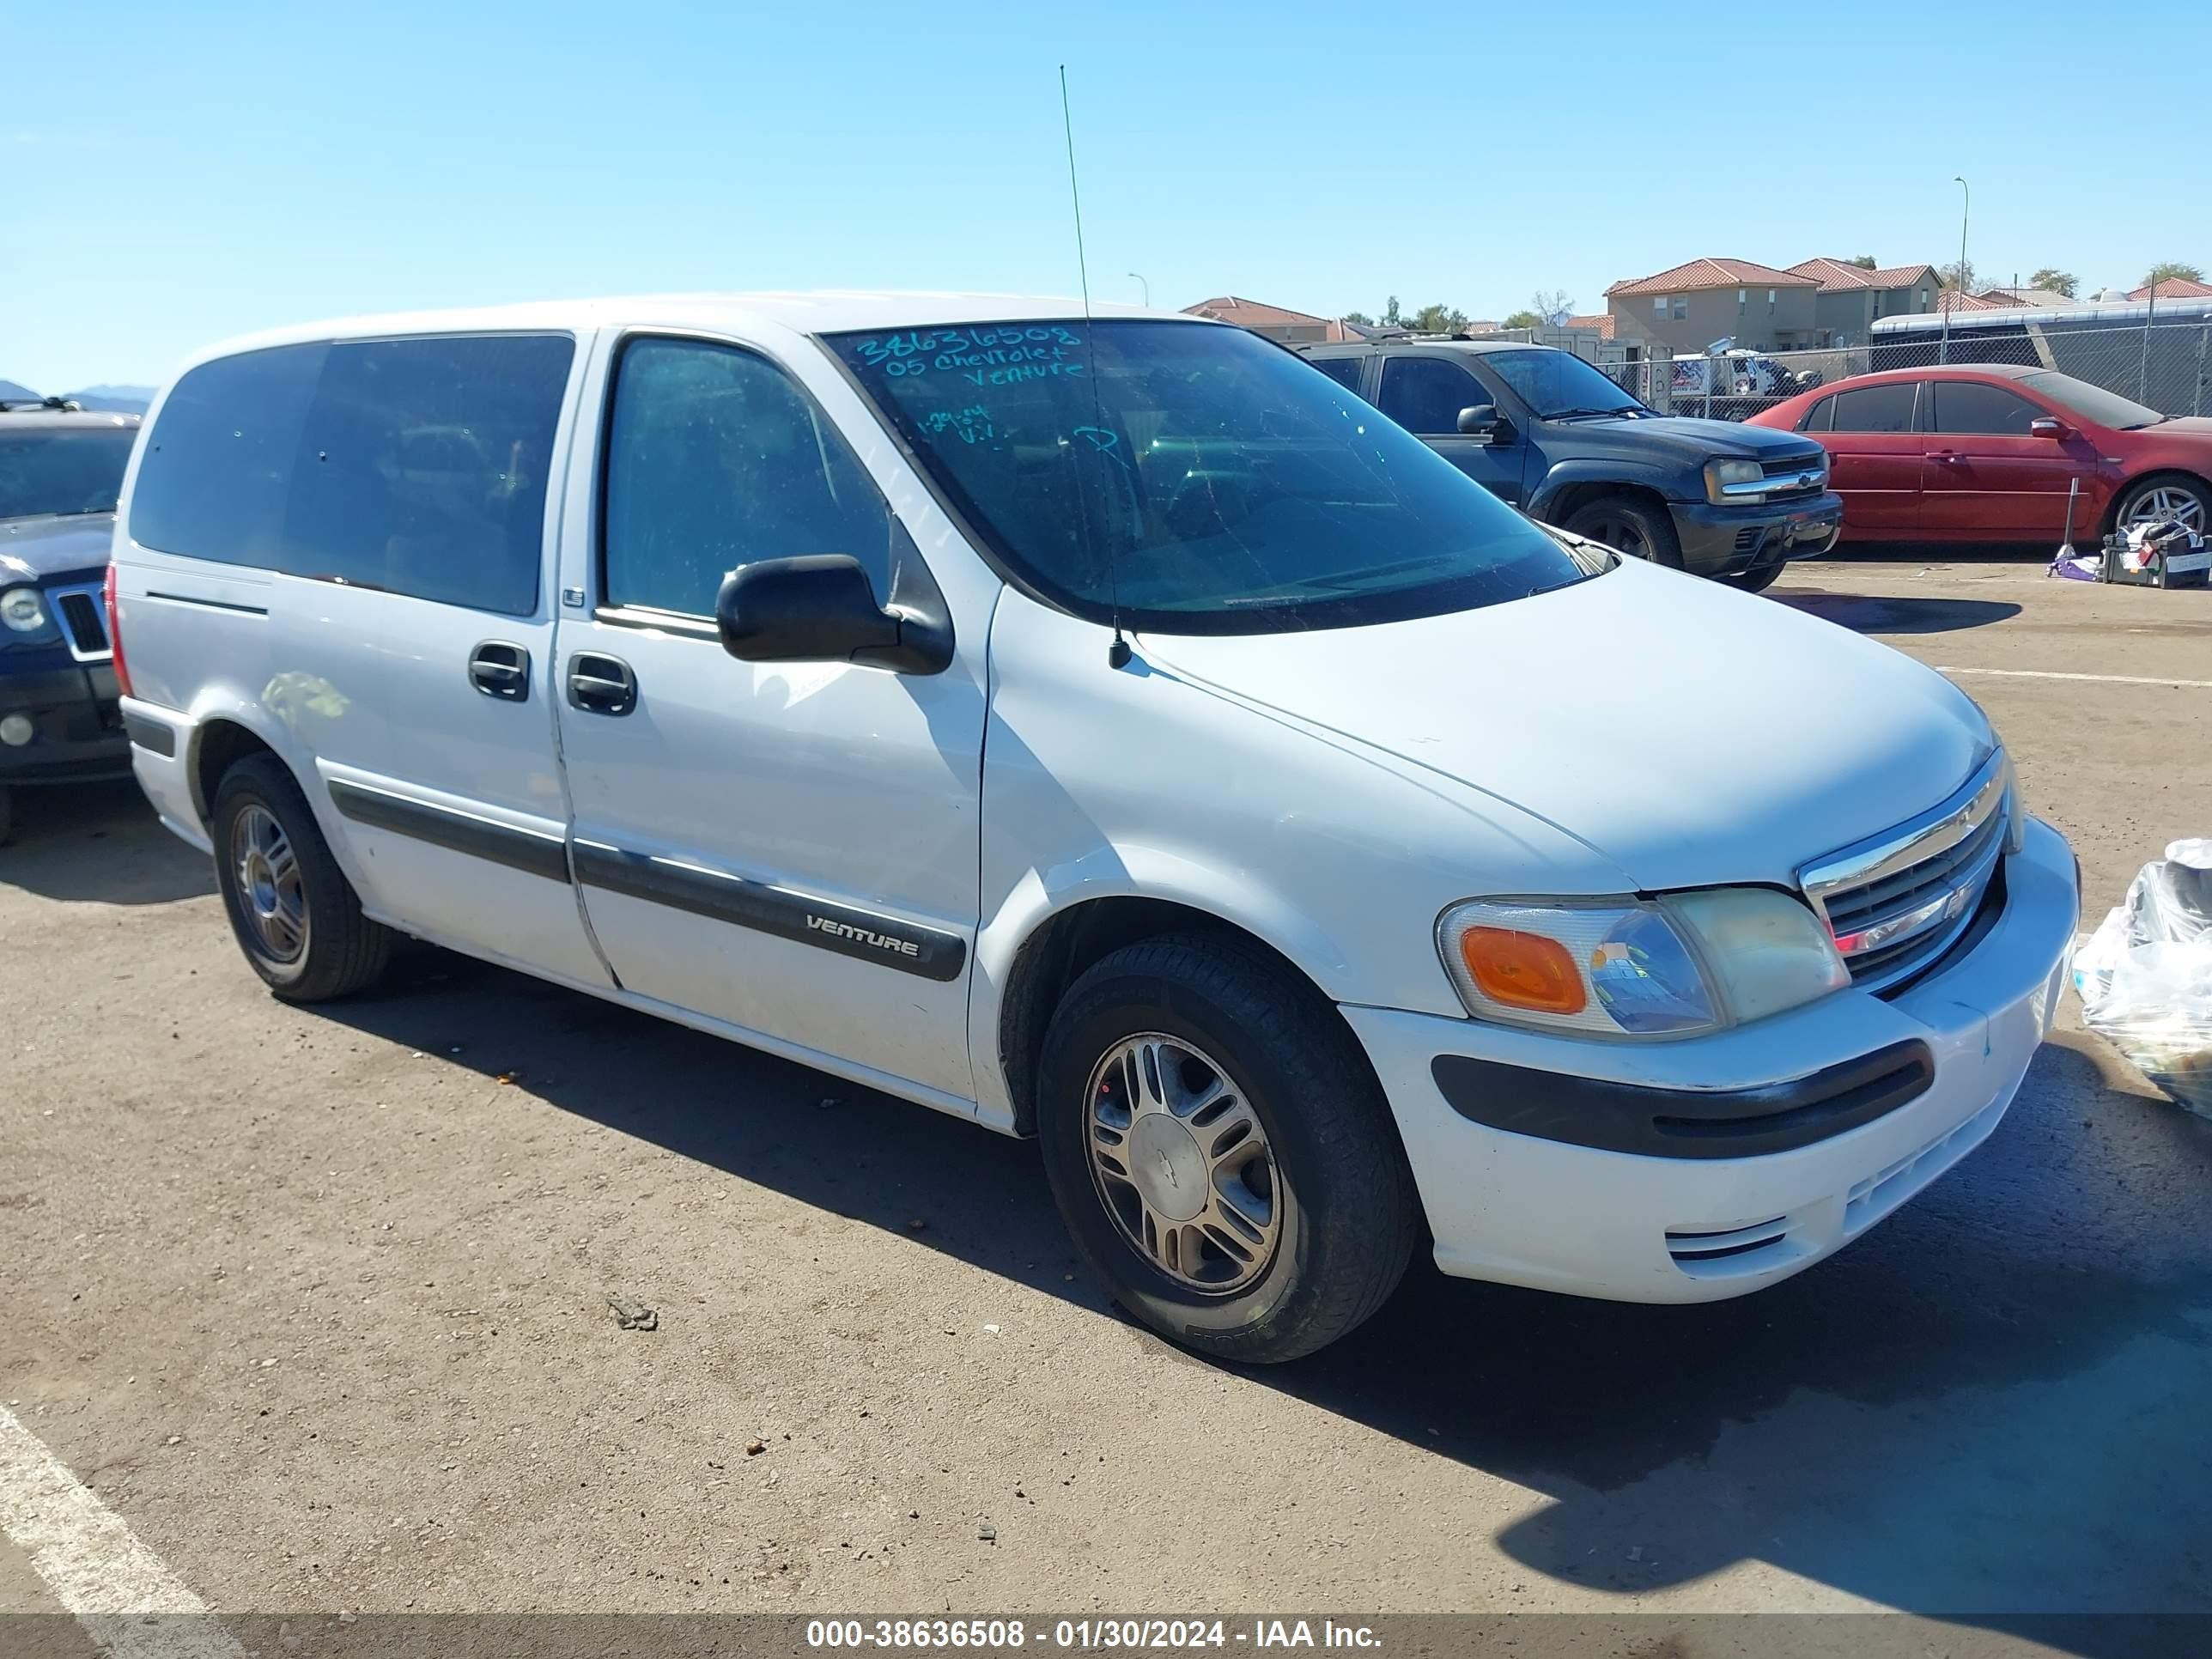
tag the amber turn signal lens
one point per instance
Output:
(1522, 970)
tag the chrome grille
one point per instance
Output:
(1895, 903)
(1787, 472)
(83, 621)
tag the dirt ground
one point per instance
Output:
(316, 1300)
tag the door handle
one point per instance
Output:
(601, 684)
(500, 669)
(1949, 457)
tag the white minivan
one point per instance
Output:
(1112, 731)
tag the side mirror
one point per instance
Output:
(1479, 422)
(2049, 426)
(822, 608)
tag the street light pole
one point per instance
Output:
(1148, 291)
(1943, 353)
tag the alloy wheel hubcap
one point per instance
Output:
(2167, 502)
(1182, 1164)
(270, 899)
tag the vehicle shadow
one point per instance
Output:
(1867, 613)
(100, 842)
(1993, 1405)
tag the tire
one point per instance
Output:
(1755, 581)
(2189, 499)
(1340, 1213)
(1630, 525)
(336, 950)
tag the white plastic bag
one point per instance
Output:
(2145, 976)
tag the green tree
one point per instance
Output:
(1359, 316)
(1437, 319)
(1390, 313)
(1959, 274)
(2166, 268)
(1522, 320)
(1864, 261)
(2054, 280)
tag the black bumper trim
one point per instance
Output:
(525, 850)
(151, 735)
(1648, 1122)
(866, 935)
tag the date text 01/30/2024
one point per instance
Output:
(1085, 1634)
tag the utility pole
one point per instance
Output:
(1943, 351)
(1148, 291)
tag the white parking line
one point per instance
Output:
(129, 1602)
(2052, 674)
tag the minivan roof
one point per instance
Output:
(825, 311)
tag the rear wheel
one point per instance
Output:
(1630, 525)
(294, 915)
(1220, 1152)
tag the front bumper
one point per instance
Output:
(1722, 541)
(76, 734)
(1525, 1209)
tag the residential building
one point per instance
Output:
(2047, 298)
(1600, 324)
(1289, 327)
(1851, 297)
(2175, 288)
(1689, 306)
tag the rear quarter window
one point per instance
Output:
(415, 466)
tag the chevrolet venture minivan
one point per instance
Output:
(1113, 731)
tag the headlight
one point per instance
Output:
(1719, 475)
(22, 610)
(1626, 967)
(2016, 809)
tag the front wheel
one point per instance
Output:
(2166, 497)
(1627, 525)
(1220, 1151)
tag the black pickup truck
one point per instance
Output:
(60, 470)
(1555, 437)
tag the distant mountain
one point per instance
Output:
(116, 399)
(12, 393)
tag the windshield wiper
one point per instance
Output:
(1628, 411)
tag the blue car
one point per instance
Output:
(60, 472)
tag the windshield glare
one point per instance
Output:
(62, 470)
(2092, 403)
(1200, 481)
(1554, 383)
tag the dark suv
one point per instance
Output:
(1555, 437)
(60, 470)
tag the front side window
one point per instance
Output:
(2092, 402)
(62, 470)
(1887, 408)
(716, 458)
(1192, 478)
(1971, 406)
(415, 466)
(1426, 394)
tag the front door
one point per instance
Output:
(1873, 455)
(790, 848)
(1425, 394)
(1984, 476)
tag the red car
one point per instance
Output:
(1984, 452)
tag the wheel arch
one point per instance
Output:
(1056, 946)
(219, 742)
(1571, 486)
(2120, 490)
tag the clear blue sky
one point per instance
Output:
(171, 174)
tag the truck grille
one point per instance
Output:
(82, 622)
(1896, 903)
(1789, 471)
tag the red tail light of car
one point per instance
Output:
(115, 631)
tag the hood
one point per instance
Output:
(54, 545)
(1686, 439)
(1691, 734)
(2198, 427)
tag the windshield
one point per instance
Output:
(1209, 481)
(2092, 403)
(62, 470)
(1556, 383)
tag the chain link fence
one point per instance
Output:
(2164, 365)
